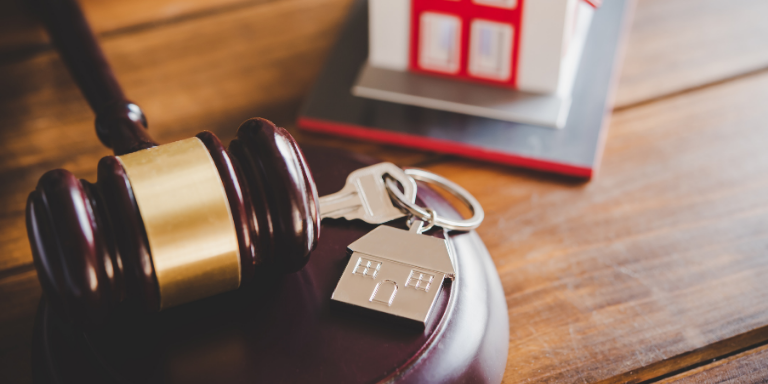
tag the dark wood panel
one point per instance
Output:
(637, 273)
(682, 44)
(746, 367)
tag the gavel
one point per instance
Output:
(164, 224)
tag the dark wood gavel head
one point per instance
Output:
(173, 223)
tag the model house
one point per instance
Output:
(528, 45)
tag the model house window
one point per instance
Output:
(508, 4)
(490, 50)
(440, 45)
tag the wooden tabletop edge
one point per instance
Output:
(694, 359)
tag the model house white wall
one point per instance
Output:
(389, 33)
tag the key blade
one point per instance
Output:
(341, 203)
(365, 195)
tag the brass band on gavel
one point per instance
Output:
(187, 219)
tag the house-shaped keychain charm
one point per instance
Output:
(396, 273)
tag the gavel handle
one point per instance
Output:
(120, 124)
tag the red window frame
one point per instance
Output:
(466, 11)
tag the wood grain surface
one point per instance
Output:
(744, 368)
(660, 255)
(651, 270)
(22, 35)
(677, 45)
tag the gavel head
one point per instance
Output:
(174, 223)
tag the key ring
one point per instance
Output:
(425, 215)
(416, 225)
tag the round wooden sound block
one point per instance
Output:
(282, 329)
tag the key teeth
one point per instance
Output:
(337, 205)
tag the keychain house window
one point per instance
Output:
(366, 267)
(419, 280)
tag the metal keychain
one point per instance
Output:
(478, 215)
(366, 197)
(398, 273)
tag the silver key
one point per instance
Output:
(365, 195)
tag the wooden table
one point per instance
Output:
(652, 271)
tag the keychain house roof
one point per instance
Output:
(395, 273)
(529, 45)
